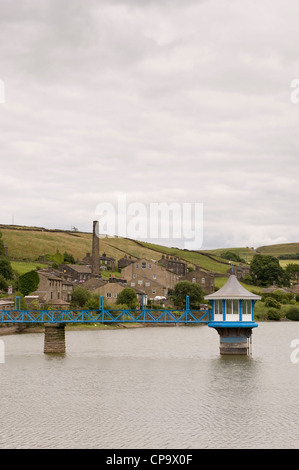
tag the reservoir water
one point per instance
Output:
(152, 388)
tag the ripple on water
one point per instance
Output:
(149, 388)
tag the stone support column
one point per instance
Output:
(234, 340)
(54, 341)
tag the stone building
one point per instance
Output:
(205, 279)
(7, 304)
(239, 270)
(148, 287)
(125, 261)
(107, 261)
(149, 277)
(174, 264)
(110, 291)
(53, 290)
(94, 283)
(75, 272)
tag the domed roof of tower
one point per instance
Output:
(232, 289)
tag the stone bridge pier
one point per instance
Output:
(54, 341)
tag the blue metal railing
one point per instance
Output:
(102, 315)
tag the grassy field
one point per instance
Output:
(260, 310)
(216, 264)
(284, 262)
(282, 249)
(28, 243)
(246, 253)
(22, 267)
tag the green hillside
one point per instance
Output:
(281, 249)
(26, 244)
(246, 253)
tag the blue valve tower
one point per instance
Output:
(233, 316)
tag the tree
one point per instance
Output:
(184, 288)
(128, 297)
(93, 302)
(5, 268)
(292, 270)
(266, 270)
(2, 249)
(3, 283)
(80, 297)
(28, 282)
(230, 255)
(68, 258)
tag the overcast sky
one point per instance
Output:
(161, 100)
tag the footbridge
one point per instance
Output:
(55, 320)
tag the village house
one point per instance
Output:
(125, 261)
(53, 290)
(110, 291)
(149, 277)
(149, 287)
(240, 271)
(75, 272)
(94, 283)
(107, 262)
(104, 261)
(204, 278)
(174, 264)
(7, 304)
(87, 260)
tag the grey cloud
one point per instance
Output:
(165, 101)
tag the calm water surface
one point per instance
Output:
(150, 388)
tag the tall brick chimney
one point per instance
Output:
(95, 255)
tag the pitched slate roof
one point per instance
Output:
(232, 290)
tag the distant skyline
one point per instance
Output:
(164, 101)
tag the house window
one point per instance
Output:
(153, 291)
(143, 265)
(147, 284)
(154, 276)
(150, 266)
(140, 282)
(134, 276)
(108, 295)
(132, 284)
(194, 279)
(115, 295)
(203, 280)
(136, 266)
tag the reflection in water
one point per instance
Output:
(150, 388)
